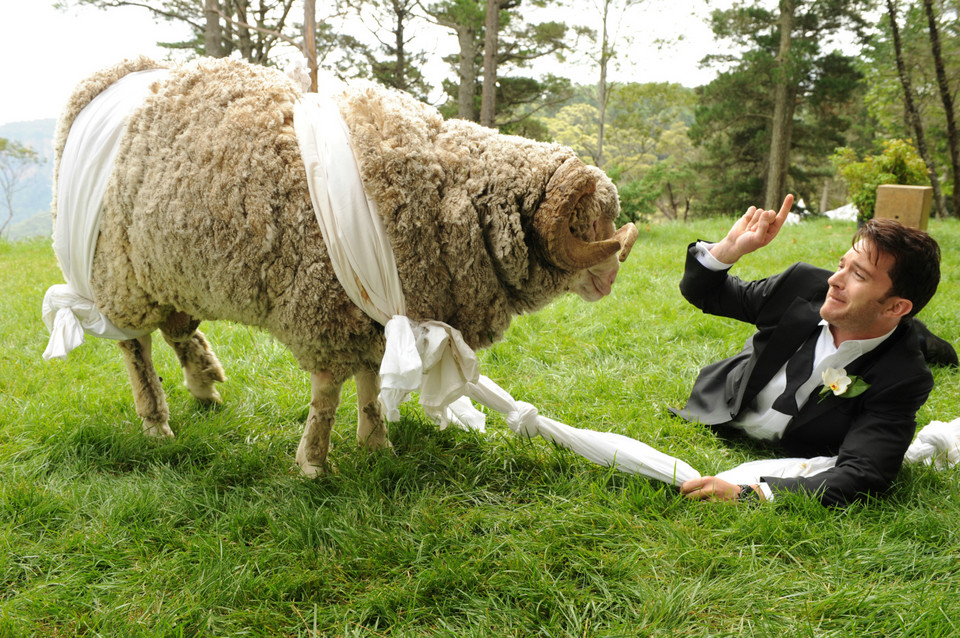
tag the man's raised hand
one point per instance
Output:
(755, 229)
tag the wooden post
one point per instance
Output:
(909, 205)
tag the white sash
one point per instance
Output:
(85, 169)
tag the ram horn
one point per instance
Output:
(625, 236)
(551, 222)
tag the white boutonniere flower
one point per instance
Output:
(842, 385)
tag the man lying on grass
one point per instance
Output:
(836, 367)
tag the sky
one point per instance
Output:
(46, 52)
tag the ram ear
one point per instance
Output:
(551, 223)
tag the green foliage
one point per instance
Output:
(898, 163)
(665, 188)
(637, 200)
(105, 533)
(647, 151)
(885, 96)
(576, 126)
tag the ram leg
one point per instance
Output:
(371, 426)
(201, 368)
(148, 394)
(315, 442)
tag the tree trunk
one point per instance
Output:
(947, 97)
(784, 103)
(468, 73)
(672, 208)
(400, 64)
(602, 88)
(310, 40)
(488, 100)
(243, 33)
(211, 31)
(912, 112)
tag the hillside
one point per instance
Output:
(31, 205)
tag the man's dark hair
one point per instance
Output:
(916, 259)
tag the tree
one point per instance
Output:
(784, 100)
(211, 29)
(884, 99)
(575, 126)
(897, 164)
(911, 108)
(763, 122)
(465, 19)
(946, 96)
(648, 123)
(649, 155)
(250, 27)
(391, 23)
(488, 102)
(611, 14)
(309, 47)
(16, 163)
(518, 44)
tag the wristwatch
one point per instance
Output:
(748, 493)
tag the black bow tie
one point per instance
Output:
(799, 368)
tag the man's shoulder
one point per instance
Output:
(900, 359)
(810, 272)
(801, 280)
(908, 340)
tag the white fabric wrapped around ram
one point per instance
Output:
(85, 169)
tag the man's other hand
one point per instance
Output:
(710, 488)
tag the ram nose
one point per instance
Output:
(625, 236)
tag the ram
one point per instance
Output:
(207, 215)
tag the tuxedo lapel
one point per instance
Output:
(800, 319)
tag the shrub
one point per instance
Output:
(898, 163)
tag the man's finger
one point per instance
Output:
(785, 209)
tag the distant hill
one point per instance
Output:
(32, 203)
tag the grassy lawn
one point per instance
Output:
(105, 533)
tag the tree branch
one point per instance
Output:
(258, 29)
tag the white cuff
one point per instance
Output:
(767, 492)
(707, 260)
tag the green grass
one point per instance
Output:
(105, 533)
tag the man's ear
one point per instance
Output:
(898, 307)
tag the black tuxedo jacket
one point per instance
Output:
(869, 433)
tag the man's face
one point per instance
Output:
(858, 303)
